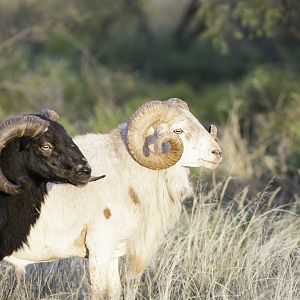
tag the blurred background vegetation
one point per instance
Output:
(235, 62)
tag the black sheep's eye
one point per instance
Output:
(178, 131)
(45, 147)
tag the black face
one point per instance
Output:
(54, 156)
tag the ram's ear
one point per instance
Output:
(213, 131)
(24, 144)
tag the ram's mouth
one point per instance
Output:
(92, 179)
(95, 178)
(85, 182)
(78, 183)
(210, 164)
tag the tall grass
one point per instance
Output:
(243, 248)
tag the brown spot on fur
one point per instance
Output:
(107, 213)
(134, 197)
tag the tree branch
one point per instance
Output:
(187, 19)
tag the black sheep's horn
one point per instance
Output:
(51, 115)
(27, 125)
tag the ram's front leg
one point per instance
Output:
(105, 279)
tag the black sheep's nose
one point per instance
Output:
(83, 168)
(86, 169)
(78, 167)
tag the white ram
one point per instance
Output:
(129, 211)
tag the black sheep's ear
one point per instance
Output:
(24, 144)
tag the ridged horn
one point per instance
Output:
(213, 131)
(27, 125)
(51, 115)
(140, 122)
(179, 103)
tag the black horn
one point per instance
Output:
(51, 115)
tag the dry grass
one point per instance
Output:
(244, 248)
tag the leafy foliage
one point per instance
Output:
(235, 62)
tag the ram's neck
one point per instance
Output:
(157, 195)
(18, 212)
(160, 210)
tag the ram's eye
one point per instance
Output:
(46, 147)
(178, 131)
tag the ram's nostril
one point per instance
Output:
(216, 152)
(78, 167)
(84, 160)
(86, 170)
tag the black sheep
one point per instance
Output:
(35, 149)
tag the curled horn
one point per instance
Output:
(51, 115)
(27, 125)
(140, 122)
(179, 103)
(213, 131)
